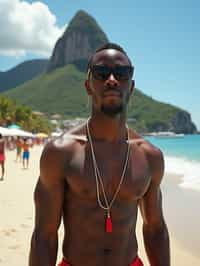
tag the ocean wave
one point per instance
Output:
(188, 170)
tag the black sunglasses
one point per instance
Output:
(101, 72)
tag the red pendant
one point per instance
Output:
(108, 224)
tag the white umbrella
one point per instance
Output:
(5, 131)
(20, 133)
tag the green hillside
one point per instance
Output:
(22, 73)
(62, 91)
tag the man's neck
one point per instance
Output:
(108, 129)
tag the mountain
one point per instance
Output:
(62, 91)
(61, 88)
(22, 73)
(81, 38)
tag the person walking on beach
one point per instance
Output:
(26, 153)
(2, 157)
(18, 145)
(96, 176)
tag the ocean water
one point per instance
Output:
(182, 157)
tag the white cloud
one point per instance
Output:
(27, 27)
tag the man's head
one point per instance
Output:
(109, 80)
(107, 46)
(1, 136)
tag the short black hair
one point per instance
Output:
(108, 45)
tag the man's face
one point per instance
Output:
(109, 83)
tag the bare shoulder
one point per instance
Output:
(62, 148)
(77, 133)
(152, 153)
(57, 155)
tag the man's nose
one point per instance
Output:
(111, 81)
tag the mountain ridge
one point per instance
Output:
(21, 73)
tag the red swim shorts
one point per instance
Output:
(2, 157)
(137, 262)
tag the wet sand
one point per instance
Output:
(17, 216)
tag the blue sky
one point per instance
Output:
(162, 39)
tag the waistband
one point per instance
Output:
(137, 262)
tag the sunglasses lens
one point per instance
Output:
(119, 72)
(100, 72)
(123, 72)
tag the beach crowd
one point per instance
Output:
(22, 145)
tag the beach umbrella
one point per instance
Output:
(4, 131)
(20, 133)
(14, 126)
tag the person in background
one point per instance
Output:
(2, 157)
(18, 144)
(26, 153)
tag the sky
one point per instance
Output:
(162, 38)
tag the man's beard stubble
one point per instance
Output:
(112, 110)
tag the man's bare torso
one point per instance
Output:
(85, 237)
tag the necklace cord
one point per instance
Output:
(98, 178)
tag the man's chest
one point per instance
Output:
(108, 171)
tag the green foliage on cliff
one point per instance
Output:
(62, 91)
(151, 115)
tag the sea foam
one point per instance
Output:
(188, 170)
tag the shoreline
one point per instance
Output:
(17, 215)
(187, 170)
(182, 225)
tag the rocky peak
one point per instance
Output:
(81, 38)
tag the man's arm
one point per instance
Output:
(155, 233)
(48, 196)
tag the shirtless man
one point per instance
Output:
(18, 144)
(96, 176)
(2, 156)
(26, 153)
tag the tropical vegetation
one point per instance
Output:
(22, 115)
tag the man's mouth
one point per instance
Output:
(112, 94)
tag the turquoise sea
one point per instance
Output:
(182, 157)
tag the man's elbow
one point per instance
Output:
(155, 230)
(40, 236)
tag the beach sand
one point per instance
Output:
(17, 216)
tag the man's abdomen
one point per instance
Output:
(87, 242)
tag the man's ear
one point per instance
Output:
(88, 88)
